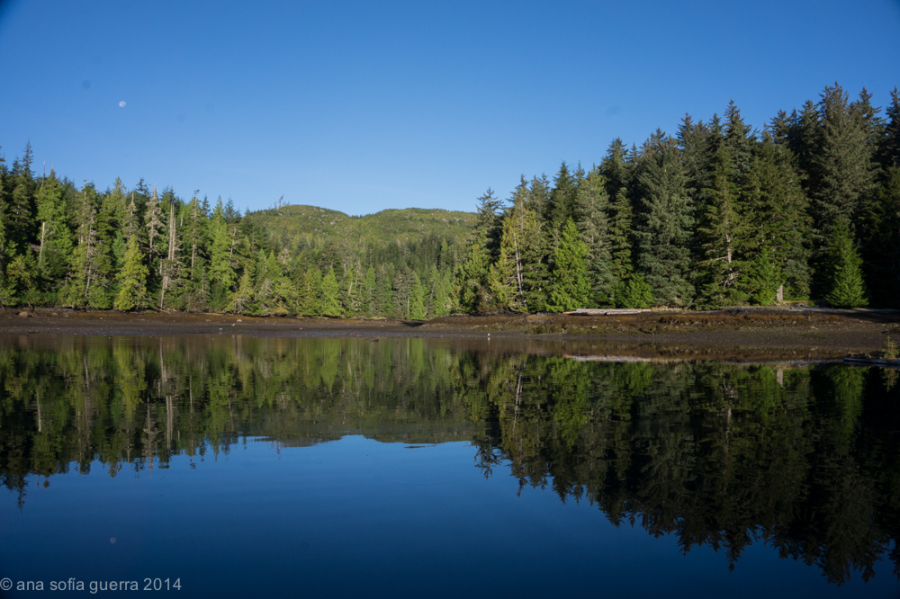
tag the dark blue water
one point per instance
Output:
(227, 479)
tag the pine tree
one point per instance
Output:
(764, 278)
(721, 230)
(471, 290)
(842, 168)
(882, 263)
(740, 140)
(55, 236)
(132, 279)
(90, 265)
(20, 210)
(570, 287)
(775, 207)
(242, 301)
(664, 224)
(416, 299)
(562, 203)
(503, 277)
(538, 199)
(634, 292)
(845, 277)
(308, 299)
(591, 210)
(369, 288)
(19, 284)
(889, 144)
(506, 277)
(331, 305)
(873, 125)
(442, 303)
(487, 225)
(221, 271)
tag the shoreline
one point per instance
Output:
(735, 333)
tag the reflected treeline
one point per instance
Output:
(805, 459)
(138, 401)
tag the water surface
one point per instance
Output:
(346, 467)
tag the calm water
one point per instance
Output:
(236, 467)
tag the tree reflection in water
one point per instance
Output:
(803, 458)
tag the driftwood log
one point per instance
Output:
(603, 311)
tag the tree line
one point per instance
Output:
(720, 214)
(139, 248)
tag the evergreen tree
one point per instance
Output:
(309, 301)
(721, 229)
(570, 287)
(842, 168)
(506, 277)
(873, 125)
(561, 207)
(472, 291)
(883, 248)
(889, 144)
(442, 303)
(487, 227)
(845, 277)
(221, 270)
(20, 209)
(369, 288)
(764, 278)
(416, 299)
(90, 265)
(538, 200)
(740, 140)
(634, 292)
(243, 299)
(19, 285)
(331, 305)
(55, 236)
(132, 279)
(591, 210)
(777, 221)
(664, 224)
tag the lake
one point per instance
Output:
(230, 466)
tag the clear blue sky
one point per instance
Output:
(362, 106)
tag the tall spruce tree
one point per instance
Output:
(592, 214)
(777, 220)
(846, 288)
(665, 222)
(842, 168)
(55, 242)
(721, 230)
(570, 286)
(132, 279)
(888, 152)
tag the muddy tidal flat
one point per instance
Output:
(737, 333)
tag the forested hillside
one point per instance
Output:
(718, 214)
(808, 207)
(136, 248)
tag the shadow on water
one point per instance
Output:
(803, 457)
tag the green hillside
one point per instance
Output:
(289, 223)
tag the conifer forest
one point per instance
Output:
(805, 208)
